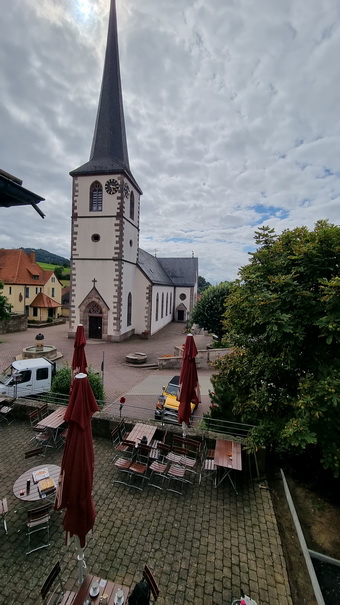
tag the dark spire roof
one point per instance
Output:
(109, 153)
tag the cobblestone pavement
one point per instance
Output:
(201, 546)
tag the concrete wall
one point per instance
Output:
(204, 359)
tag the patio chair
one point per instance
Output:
(139, 467)
(43, 411)
(44, 438)
(176, 472)
(38, 520)
(148, 576)
(3, 512)
(124, 462)
(34, 418)
(158, 469)
(53, 590)
(124, 433)
(37, 451)
(208, 468)
(6, 411)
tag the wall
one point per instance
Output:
(204, 359)
(16, 323)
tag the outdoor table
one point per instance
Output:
(140, 430)
(53, 422)
(34, 495)
(105, 587)
(227, 458)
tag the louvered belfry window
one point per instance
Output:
(96, 197)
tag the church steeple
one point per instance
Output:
(109, 153)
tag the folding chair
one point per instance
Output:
(147, 575)
(37, 451)
(3, 512)
(158, 469)
(124, 462)
(139, 467)
(38, 519)
(6, 411)
(43, 411)
(53, 590)
(207, 468)
(34, 418)
(176, 472)
(124, 433)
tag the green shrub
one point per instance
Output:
(62, 381)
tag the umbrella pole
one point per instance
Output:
(184, 429)
(81, 562)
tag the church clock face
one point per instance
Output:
(126, 190)
(111, 186)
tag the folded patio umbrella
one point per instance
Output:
(188, 383)
(74, 491)
(79, 362)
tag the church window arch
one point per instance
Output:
(162, 305)
(157, 305)
(96, 197)
(166, 303)
(129, 309)
(132, 205)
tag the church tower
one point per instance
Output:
(105, 217)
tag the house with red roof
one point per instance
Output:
(29, 289)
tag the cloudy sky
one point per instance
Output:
(231, 108)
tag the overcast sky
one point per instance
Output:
(231, 107)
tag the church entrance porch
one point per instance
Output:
(95, 326)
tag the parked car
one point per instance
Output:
(167, 404)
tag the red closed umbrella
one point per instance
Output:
(76, 476)
(79, 362)
(188, 382)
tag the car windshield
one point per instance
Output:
(172, 389)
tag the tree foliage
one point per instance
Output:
(61, 383)
(283, 318)
(5, 306)
(202, 284)
(208, 311)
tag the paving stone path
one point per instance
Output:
(201, 546)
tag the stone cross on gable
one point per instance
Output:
(94, 281)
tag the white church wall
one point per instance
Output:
(140, 307)
(161, 321)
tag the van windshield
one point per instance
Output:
(5, 375)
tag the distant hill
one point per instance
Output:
(43, 256)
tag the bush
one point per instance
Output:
(61, 384)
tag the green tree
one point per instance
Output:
(283, 318)
(5, 306)
(59, 272)
(202, 284)
(62, 381)
(208, 311)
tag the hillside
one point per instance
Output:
(43, 256)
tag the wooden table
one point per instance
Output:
(33, 495)
(140, 430)
(105, 587)
(227, 458)
(53, 422)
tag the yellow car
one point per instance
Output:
(167, 404)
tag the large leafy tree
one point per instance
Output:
(283, 318)
(202, 284)
(5, 307)
(209, 309)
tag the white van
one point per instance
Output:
(27, 377)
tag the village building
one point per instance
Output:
(30, 290)
(117, 289)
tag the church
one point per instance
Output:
(118, 289)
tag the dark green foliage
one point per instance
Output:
(5, 307)
(202, 284)
(62, 381)
(208, 311)
(283, 319)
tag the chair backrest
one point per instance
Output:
(49, 582)
(181, 451)
(34, 417)
(147, 574)
(115, 436)
(38, 451)
(122, 429)
(41, 513)
(143, 453)
(43, 411)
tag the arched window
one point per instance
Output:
(132, 206)
(157, 304)
(96, 197)
(162, 305)
(129, 309)
(170, 306)
(166, 303)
